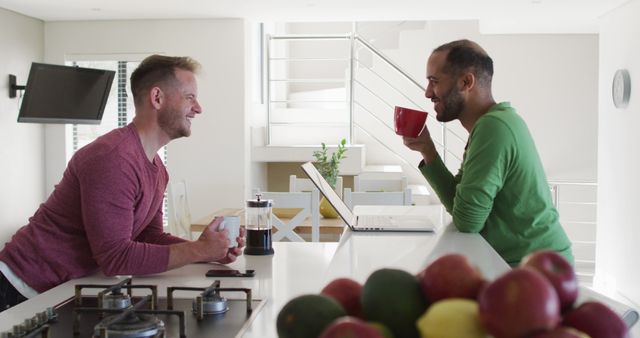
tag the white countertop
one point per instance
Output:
(300, 268)
(307, 270)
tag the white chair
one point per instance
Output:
(179, 214)
(304, 184)
(352, 199)
(375, 184)
(307, 202)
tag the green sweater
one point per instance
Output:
(501, 190)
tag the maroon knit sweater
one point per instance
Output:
(106, 213)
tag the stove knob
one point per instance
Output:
(27, 325)
(41, 317)
(18, 330)
(51, 314)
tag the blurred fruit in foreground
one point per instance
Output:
(347, 292)
(557, 271)
(451, 318)
(519, 303)
(384, 331)
(597, 320)
(350, 327)
(450, 276)
(307, 315)
(562, 332)
(393, 298)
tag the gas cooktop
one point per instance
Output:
(113, 313)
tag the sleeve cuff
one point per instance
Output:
(422, 164)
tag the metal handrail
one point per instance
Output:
(309, 59)
(405, 96)
(303, 101)
(385, 144)
(560, 182)
(352, 72)
(311, 37)
(308, 80)
(391, 63)
(388, 83)
(387, 60)
(445, 149)
(267, 60)
(401, 158)
(310, 124)
(555, 184)
(353, 37)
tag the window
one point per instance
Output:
(118, 112)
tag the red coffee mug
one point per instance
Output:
(409, 122)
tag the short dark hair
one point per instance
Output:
(466, 55)
(159, 69)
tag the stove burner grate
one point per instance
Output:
(209, 300)
(130, 325)
(111, 297)
(134, 322)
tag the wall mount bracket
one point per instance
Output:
(13, 87)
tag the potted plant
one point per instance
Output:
(328, 168)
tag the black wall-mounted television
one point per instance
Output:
(65, 94)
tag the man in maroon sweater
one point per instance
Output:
(106, 212)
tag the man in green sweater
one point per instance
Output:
(501, 190)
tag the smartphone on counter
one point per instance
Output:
(230, 273)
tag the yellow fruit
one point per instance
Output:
(451, 318)
(578, 333)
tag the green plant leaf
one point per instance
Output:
(329, 168)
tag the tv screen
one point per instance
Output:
(65, 94)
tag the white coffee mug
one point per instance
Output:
(231, 223)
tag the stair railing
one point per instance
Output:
(356, 42)
(444, 129)
(269, 58)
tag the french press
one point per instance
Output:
(258, 219)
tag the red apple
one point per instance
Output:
(519, 303)
(350, 327)
(450, 276)
(347, 292)
(562, 332)
(597, 320)
(558, 271)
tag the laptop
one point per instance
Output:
(385, 218)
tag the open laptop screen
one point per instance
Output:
(329, 193)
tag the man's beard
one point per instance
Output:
(453, 105)
(172, 123)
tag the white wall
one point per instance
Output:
(213, 159)
(22, 150)
(618, 229)
(551, 79)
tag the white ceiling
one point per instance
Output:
(552, 16)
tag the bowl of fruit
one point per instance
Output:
(450, 298)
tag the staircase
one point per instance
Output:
(323, 88)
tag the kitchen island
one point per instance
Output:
(299, 268)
